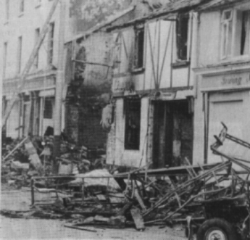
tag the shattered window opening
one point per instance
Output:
(48, 108)
(51, 43)
(132, 123)
(182, 36)
(235, 33)
(245, 32)
(227, 27)
(19, 55)
(5, 58)
(37, 33)
(139, 47)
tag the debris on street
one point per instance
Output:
(88, 196)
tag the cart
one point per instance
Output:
(228, 218)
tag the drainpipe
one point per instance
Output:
(59, 87)
(193, 64)
(194, 50)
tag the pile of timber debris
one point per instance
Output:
(25, 158)
(137, 198)
(144, 197)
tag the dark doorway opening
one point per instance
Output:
(173, 133)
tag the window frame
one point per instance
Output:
(235, 46)
(132, 110)
(178, 33)
(139, 49)
(50, 49)
(48, 113)
(19, 54)
(37, 35)
(5, 58)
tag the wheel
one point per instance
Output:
(216, 229)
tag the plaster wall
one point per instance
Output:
(209, 38)
(134, 158)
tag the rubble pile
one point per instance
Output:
(144, 197)
(28, 157)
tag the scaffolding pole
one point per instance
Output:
(59, 88)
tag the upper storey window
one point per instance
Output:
(139, 47)
(51, 43)
(182, 36)
(235, 39)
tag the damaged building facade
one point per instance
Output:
(180, 71)
(89, 69)
(170, 72)
(153, 90)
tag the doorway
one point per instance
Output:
(173, 133)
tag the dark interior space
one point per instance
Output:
(173, 133)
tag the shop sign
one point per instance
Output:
(120, 84)
(236, 80)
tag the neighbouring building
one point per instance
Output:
(89, 67)
(21, 23)
(223, 75)
(181, 70)
(87, 85)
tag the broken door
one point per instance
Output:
(173, 133)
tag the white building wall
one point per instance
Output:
(209, 38)
(133, 158)
(198, 146)
(24, 25)
(226, 102)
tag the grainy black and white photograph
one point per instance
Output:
(125, 119)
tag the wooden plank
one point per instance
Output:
(137, 217)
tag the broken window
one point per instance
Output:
(139, 46)
(132, 109)
(227, 29)
(19, 55)
(37, 33)
(5, 58)
(182, 36)
(51, 43)
(48, 108)
(235, 33)
(243, 25)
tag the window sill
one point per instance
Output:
(138, 70)
(230, 62)
(180, 64)
(235, 59)
(131, 150)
